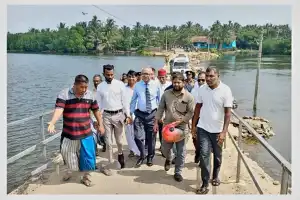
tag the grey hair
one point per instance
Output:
(212, 68)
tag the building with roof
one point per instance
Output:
(203, 42)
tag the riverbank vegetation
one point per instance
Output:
(98, 36)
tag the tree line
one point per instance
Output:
(97, 36)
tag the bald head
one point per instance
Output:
(147, 70)
(146, 73)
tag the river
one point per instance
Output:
(33, 82)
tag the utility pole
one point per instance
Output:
(208, 42)
(257, 74)
(166, 41)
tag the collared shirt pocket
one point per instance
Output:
(181, 106)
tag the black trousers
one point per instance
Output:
(145, 137)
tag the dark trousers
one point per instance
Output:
(160, 126)
(145, 138)
(196, 145)
(206, 142)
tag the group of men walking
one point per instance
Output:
(143, 107)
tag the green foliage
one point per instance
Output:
(145, 53)
(105, 36)
(282, 46)
(213, 50)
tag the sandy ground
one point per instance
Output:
(154, 180)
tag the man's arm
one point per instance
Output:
(161, 109)
(56, 115)
(98, 117)
(227, 109)
(190, 111)
(96, 112)
(227, 116)
(196, 114)
(199, 103)
(59, 109)
(133, 100)
(124, 100)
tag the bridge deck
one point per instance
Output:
(154, 180)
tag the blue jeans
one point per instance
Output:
(179, 154)
(208, 141)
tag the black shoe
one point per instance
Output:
(149, 162)
(121, 160)
(104, 148)
(139, 162)
(167, 165)
(131, 154)
(196, 159)
(174, 161)
(203, 190)
(178, 177)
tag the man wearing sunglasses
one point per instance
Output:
(200, 82)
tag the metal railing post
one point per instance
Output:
(238, 168)
(284, 181)
(43, 135)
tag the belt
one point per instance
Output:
(147, 112)
(113, 112)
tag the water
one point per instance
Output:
(35, 80)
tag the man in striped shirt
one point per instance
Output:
(77, 141)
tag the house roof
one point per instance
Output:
(206, 39)
(200, 39)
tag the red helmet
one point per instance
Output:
(172, 134)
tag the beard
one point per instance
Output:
(108, 80)
(177, 89)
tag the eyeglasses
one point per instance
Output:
(201, 80)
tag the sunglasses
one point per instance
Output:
(201, 80)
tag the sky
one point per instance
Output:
(20, 18)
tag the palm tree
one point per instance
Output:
(109, 33)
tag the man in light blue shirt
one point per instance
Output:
(144, 103)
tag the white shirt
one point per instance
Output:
(196, 85)
(129, 95)
(162, 87)
(195, 91)
(112, 97)
(212, 110)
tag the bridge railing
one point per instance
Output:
(43, 143)
(286, 166)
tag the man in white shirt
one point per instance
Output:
(152, 75)
(200, 80)
(112, 100)
(97, 79)
(129, 129)
(163, 84)
(200, 83)
(214, 103)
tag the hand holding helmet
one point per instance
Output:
(172, 134)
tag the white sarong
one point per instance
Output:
(129, 132)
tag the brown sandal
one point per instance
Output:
(66, 177)
(86, 181)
